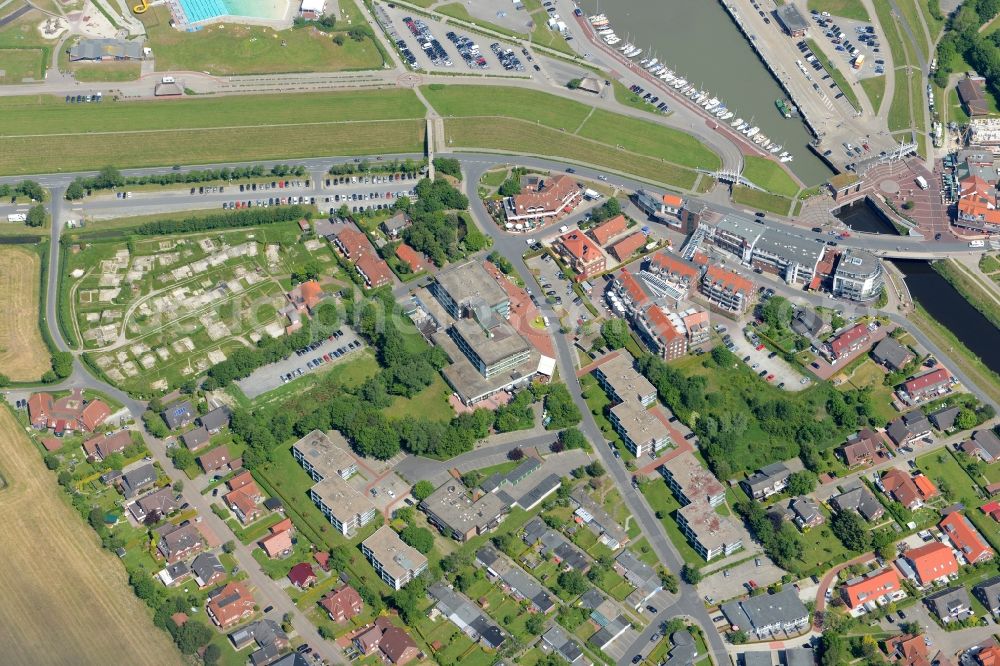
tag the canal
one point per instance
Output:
(949, 307)
(698, 39)
(932, 291)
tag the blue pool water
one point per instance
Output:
(197, 11)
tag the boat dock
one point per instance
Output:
(830, 120)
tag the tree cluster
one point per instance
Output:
(407, 166)
(448, 166)
(562, 411)
(27, 188)
(110, 177)
(250, 217)
(963, 38)
(442, 235)
(606, 211)
(781, 541)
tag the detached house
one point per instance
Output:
(770, 480)
(910, 491)
(582, 255)
(965, 538)
(342, 604)
(874, 589)
(928, 564)
(179, 543)
(230, 604)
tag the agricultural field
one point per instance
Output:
(155, 311)
(57, 547)
(227, 49)
(43, 133)
(23, 354)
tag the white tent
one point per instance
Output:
(314, 6)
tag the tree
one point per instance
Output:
(669, 582)
(966, 419)
(573, 84)
(192, 636)
(75, 191)
(182, 458)
(561, 409)
(421, 490)
(574, 582)
(510, 187)
(690, 575)
(515, 454)
(535, 624)
(850, 528)
(595, 469)
(212, 654)
(51, 462)
(832, 649)
(737, 637)
(802, 483)
(155, 425)
(37, 216)
(229, 546)
(418, 537)
(615, 333)
(31, 189)
(572, 438)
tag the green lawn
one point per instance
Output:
(849, 9)
(431, 403)
(899, 111)
(761, 200)
(909, 10)
(662, 501)
(626, 97)
(869, 374)
(632, 134)
(821, 549)
(225, 49)
(20, 64)
(521, 138)
(458, 10)
(956, 485)
(769, 175)
(874, 87)
(44, 134)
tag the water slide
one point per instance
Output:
(141, 7)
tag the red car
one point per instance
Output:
(770, 377)
(760, 347)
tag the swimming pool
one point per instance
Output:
(196, 11)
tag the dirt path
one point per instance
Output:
(65, 600)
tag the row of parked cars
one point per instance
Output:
(82, 99)
(508, 59)
(381, 178)
(469, 51)
(270, 201)
(428, 42)
(370, 196)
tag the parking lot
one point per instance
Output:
(297, 365)
(766, 363)
(850, 39)
(430, 45)
(728, 583)
(554, 291)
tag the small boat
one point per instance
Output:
(636, 53)
(712, 103)
(652, 63)
(682, 90)
(742, 126)
(782, 106)
(606, 31)
(784, 153)
(729, 114)
(752, 132)
(719, 111)
(736, 123)
(667, 76)
(680, 82)
(643, 62)
(775, 148)
(786, 158)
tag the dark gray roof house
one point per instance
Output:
(907, 427)
(944, 418)
(533, 530)
(807, 323)
(892, 354)
(951, 604)
(162, 502)
(558, 640)
(292, 659)
(983, 443)
(264, 632)
(684, 650)
(533, 497)
(756, 658)
(137, 479)
(800, 656)
(466, 616)
(216, 420)
(989, 593)
(393, 225)
(196, 439)
(207, 569)
(178, 414)
(768, 481)
(514, 476)
(859, 499)
(768, 614)
(791, 20)
(569, 556)
(105, 49)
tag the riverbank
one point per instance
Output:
(957, 352)
(969, 287)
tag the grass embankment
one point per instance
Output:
(225, 49)
(768, 174)
(529, 122)
(457, 10)
(761, 200)
(43, 134)
(910, 13)
(906, 109)
(969, 286)
(958, 353)
(837, 75)
(874, 87)
(849, 9)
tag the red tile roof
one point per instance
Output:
(353, 243)
(549, 200)
(672, 201)
(232, 603)
(632, 288)
(667, 263)
(281, 526)
(413, 259)
(845, 341)
(580, 246)
(302, 575)
(311, 293)
(342, 604)
(375, 271)
(730, 280)
(276, 543)
(243, 501)
(603, 232)
(871, 587)
(932, 561)
(966, 539)
(626, 247)
(659, 321)
(105, 445)
(927, 380)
